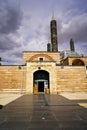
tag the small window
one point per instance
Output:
(41, 59)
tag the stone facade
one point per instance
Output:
(33, 67)
(71, 79)
(20, 79)
(75, 61)
(12, 79)
(45, 72)
(47, 56)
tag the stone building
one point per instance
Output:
(48, 72)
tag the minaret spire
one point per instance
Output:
(72, 48)
(53, 18)
(48, 45)
(53, 29)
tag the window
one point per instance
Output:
(40, 59)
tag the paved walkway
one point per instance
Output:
(43, 112)
(7, 98)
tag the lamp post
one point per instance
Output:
(22, 74)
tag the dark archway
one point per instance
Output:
(41, 81)
(78, 62)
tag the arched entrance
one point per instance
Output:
(78, 62)
(41, 82)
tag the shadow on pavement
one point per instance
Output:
(39, 112)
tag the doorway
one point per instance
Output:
(40, 86)
(41, 82)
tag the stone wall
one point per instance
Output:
(70, 60)
(71, 79)
(33, 67)
(48, 56)
(12, 79)
(83, 59)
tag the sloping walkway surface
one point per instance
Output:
(43, 112)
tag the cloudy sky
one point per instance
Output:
(25, 26)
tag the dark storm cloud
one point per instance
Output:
(76, 28)
(85, 47)
(6, 43)
(17, 54)
(10, 21)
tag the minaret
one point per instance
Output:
(72, 48)
(53, 29)
(48, 47)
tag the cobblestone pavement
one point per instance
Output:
(43, 112)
